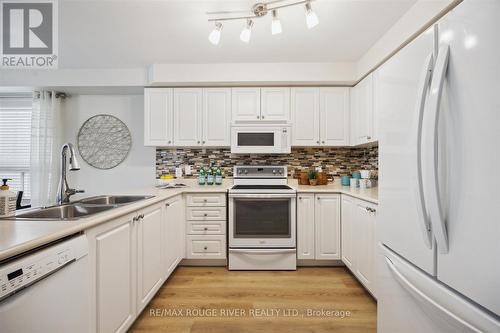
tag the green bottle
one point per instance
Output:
(201, 176)
(218, 176)
(210, 176)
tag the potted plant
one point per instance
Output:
(313, 177)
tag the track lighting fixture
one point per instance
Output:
(259, 10)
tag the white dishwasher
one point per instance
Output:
(47, 290)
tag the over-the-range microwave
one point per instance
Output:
(260, 139)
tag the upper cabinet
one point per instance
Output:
(362, 112)
(187, 117)
(158, 117)
(320, 116)
(216, 117)
(260, 104)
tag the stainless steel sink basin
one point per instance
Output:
(113, 199)
(65, 212)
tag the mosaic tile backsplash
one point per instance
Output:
(335, 161)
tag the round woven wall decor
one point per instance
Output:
(104, 141)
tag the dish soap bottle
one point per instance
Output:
(218, 176)
(210, 176)
(7, 200)
(201, 176)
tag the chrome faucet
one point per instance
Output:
(64, 191)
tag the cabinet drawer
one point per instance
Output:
(206, 213)
(206, 247)
(207, 200)
(206, 228)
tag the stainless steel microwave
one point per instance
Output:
(260, 139)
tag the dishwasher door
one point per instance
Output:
(57, 302)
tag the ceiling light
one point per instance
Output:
(311, 17)
(214, 36)
(275, 24)
(247, 32)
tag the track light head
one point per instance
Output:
(311, 17)
(246, 33)
(275, 24)
(214, 36)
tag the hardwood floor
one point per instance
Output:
(260, 302)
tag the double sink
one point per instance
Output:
(80, 209)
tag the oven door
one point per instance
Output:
(260, 140)
(262, 221)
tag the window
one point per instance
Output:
(15, 142)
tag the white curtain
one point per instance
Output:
(46, 140)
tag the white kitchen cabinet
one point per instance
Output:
(275, 104)
(188, 103)
(318, 226)
(327, 225)
(245, 104)
(206, 247)
(305, 116)
(362, 112)
(348, 234)
(334, 116)
(365, 243)
(216, 118)
(174, 248)
(150, 263)
(158, 117)
(305, 226)
(112, 254)
(320, 116)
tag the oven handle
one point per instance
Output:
(263, 251)
(263, 196)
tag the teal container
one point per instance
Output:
(345, 181)
(356, 174)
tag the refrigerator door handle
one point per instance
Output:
(430, 150)
(424, 83)
(438, 299)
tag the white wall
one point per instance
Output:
(137, 170)
(412, 21)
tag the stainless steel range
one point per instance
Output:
(262, 219)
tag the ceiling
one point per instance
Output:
(138, 33)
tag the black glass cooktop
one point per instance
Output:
(261, 187)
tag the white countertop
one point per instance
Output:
(18, 236)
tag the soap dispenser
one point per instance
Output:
(7, 200)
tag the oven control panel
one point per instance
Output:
(254, 171)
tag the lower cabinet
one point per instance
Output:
(358, 239)
(318, 226)
(131, 257)
(112, 252)
(150, 258)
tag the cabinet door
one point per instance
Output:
(327, 224)
(275, 104)
(348, 231)
(363, 124)
(305, 226)
(149, 255)
(334, 116)
(174, 233)
(158, 117)
(305, 116)
(365, 243)
(115, 278)
(187, 116)
(216, 117)
(245, 104)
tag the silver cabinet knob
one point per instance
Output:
(300, 198)
(205, 200)
(317, 142)
(205, 228)
(167, 205)
(169, 141)
(199, 142)
(205, 214)
(205, 248)
(258, 117)
(262, 117)
(318, 198)
(203, 142)
(323, 142)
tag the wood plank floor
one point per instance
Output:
(255, 299)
